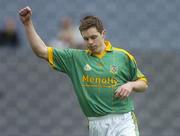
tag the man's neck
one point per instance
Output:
(103, 48)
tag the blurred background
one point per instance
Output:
(36, 100)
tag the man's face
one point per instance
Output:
(94, 40)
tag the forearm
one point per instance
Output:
(36, 43)
(139, 85)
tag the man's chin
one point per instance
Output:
(93, 50)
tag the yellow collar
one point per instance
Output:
(108, 46)
(107, 49)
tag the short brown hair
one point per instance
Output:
(91, 21)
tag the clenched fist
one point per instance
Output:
(25, 15)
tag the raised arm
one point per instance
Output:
(36, 43)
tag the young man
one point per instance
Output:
(103, 76)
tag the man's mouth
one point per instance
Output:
(92, 47)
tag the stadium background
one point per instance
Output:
(38, 101)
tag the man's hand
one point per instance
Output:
(25, 15)
(124, 90)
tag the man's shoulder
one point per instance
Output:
(76, 52)
(123, 52)
(68, 50)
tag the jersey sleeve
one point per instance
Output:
(135, 73)
(60, 59)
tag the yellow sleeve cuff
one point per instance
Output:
(50, 55)
(144, 79)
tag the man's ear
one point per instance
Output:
(104, 33)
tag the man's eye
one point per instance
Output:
(85, 39)
(93, 37)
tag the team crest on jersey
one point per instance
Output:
(113, 69)
(87, 67)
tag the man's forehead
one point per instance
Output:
(90, 33)
(91, 30)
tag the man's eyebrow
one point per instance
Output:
(90, 36)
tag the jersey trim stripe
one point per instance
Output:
(124, 51)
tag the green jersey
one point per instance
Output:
(96, 78)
